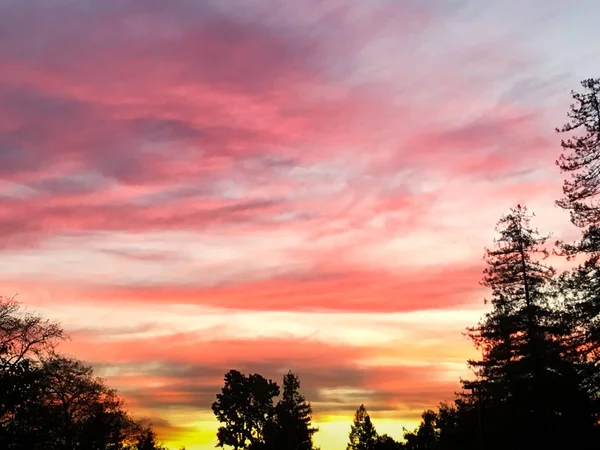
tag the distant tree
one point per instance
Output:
(245, 408)
(426, 436)
(292, 429)
(363, 435)
(386, 442)
(458, 426)
(144, 438)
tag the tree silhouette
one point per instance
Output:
(25, 341)
(24, 335)
(245, 407)
(68, 408)
(386, 442)
(293, 414)
(49, 402)
(86, 413)
(363, 435)
(458, 424)
(581, 160)
(426, 436)
(581, 286)
(145, 438)
(522, 344)
(517, 281)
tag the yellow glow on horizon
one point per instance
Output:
(195, 430)
(332, 434)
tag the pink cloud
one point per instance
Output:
(152, 152)
(356, 291)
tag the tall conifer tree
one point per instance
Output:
(293, 415)
(525, 384)
(580, 160)
(362, 432)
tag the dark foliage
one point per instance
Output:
(426, 437)
(292, 427)
(580, 287)
(581, 158)
(363, 435)
(245, 408)
(524, 358)
(385, 442)
(49, 402)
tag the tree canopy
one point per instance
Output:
(52, 402)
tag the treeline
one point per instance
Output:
(252, 420)
(536, 385)
(52, 402)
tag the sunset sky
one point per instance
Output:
(194, 186)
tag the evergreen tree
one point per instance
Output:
(458, 425)
(426, 436)
(521, 341)
(362, 432)
(145, 439)
(581, 161)
(517, 279)
(386, 442)
(292, 428)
